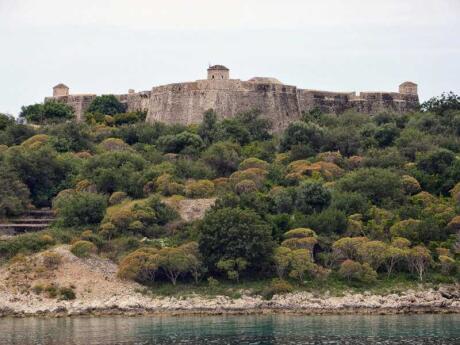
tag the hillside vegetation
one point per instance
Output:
(335, 200)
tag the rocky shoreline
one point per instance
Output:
(99, 292)
(444, 300)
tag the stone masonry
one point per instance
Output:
(186, 102)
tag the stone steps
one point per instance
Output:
(30, 221)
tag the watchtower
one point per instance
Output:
(218, 72)
(408, 88)
(60, 90)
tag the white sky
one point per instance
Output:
(104, 46)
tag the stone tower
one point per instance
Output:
(218, 72)
(60, 90)
(408, 88)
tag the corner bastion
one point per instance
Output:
(185, 103)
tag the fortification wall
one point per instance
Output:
(135, 101)
(364, 102)
(79, 103)
(185, 103)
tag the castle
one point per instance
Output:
(186, 102)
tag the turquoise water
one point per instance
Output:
(241, 330)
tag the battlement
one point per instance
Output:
(186, 102)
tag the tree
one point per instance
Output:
(328, 222)
(447, 264)
(49, 112)
(107, 105)
(235, 233)
(373, 252)
(71, 136)
(386, 134)
(233, 267)
(378, 185)
(300, 238)
(300, 264)
(348, 247)
(176, 143)
(352, 270)
(419, 260)
(224, 157)
(258, 128)
(116, 171)
(208, 130)
(14, 133)
(14, 194)
(441, 104)
(174, 262)
(80, 208)
(395, 253)
(141, 265)
(408, 228)
(195, 261)
(42, 170)
(282, 259)
(311, 197)
(301, 133)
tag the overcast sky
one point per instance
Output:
(102, 46)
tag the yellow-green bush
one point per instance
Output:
(410, 185)
(83, 154)
(114, 144)
(253, 162)
(140, 265)
(424, 199)
(166, 185)
(36, 141)
(245, 186)
(254, 174)
(51, 260)
(299, 233)
(83, 249)
(199, 189)
(277, 287)
(117, 198)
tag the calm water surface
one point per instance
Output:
(234, 330)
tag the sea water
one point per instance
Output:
(234, 330)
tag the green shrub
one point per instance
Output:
(277, 287)
(352, 270)
(199, 189)
(51, 260)
(235, 233)
(80, 208)
(107, 105)
(52, 290)
(213, 283)
(48, 112)
(38, 289)
(117, 198)
(25, 243)
(66, 294)
(83, 249)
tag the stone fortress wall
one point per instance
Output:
(185, 103)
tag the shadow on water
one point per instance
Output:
(260, 330)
